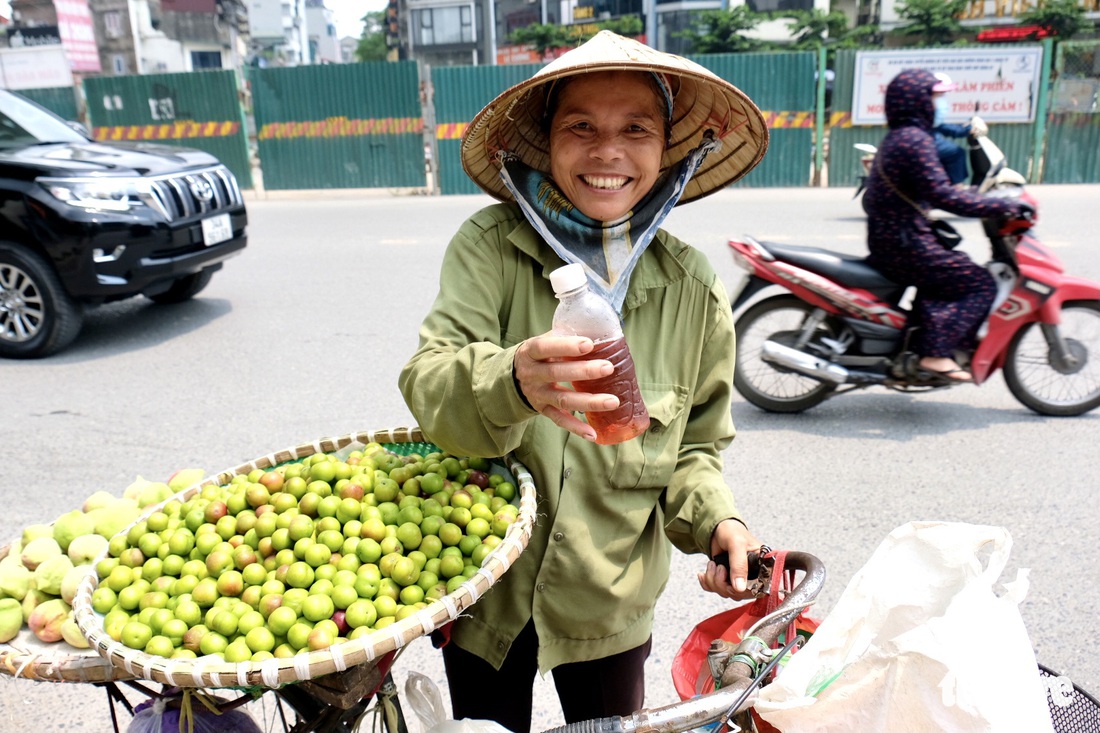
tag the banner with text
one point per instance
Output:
(1000, 84)
(34, 68)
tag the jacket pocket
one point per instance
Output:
(648, 461)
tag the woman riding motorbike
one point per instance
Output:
(908, 180)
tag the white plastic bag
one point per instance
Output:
(422, 695)
(918, 641)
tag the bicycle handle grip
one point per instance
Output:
(723, 559)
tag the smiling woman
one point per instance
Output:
(588, 157)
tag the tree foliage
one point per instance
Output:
(936, 22)
(1063, 18)
(372, 44)
(811, 28)
(548, 37)
(722, 31)
(626, 25)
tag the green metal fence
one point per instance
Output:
(59, 100)
(339, 126)
(364, 125)
(460, 93)
(196, 110)
(782, 85)
(1073, 132)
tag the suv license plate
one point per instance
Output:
(216, 229)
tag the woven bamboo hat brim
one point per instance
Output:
(513, 122)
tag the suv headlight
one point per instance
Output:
(100, 194)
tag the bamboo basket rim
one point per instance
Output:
(56, 662)
(213, 672)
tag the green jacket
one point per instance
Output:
(599, 557)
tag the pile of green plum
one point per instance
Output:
(302, 556)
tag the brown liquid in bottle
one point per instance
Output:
(630, 419)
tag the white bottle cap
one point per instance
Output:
(569, 277)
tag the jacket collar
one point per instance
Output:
(658, 267)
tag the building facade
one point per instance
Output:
(324, 48)
(279, 31)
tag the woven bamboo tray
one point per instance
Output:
(213, 672)
(27, 657)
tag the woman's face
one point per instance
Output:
(607, 137)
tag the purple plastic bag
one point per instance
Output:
(158, 716)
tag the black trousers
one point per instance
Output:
(601, 688)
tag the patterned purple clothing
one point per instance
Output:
(953, 292)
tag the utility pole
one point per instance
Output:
(650, 7)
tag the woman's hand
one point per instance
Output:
(735, 539)
(543, 363)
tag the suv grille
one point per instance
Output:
(182, 196)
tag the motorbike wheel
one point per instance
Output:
(767, 386)
(1041, 381)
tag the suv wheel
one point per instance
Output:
(37, 316)
(184, 288)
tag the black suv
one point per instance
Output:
(84, 223)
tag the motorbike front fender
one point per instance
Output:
(1069, 289)
(1003, 326)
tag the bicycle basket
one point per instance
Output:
(1072, 710)
(212, 671)
(27, 657)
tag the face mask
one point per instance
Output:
(941, 111)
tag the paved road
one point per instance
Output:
(303, 336)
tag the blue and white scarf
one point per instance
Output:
(608, 251)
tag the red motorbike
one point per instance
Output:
(842, 325)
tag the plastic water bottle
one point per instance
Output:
(582, 312)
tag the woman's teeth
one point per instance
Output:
(606, 182)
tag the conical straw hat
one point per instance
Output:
(513, 122)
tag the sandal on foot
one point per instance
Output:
(952, 375)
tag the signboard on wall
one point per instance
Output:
(1000, 84)
(74, 23)
(40, 67)
(39, 35)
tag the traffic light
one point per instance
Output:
(393, 34)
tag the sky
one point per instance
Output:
(348, 14)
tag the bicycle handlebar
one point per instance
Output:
(739, 677)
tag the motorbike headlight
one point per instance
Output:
(99, 194)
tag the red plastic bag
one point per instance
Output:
(690, 672)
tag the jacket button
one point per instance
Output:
(500, 645)
(540, 587)
(559, 536)
(566, 472)
(656, 429)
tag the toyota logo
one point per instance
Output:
(201, 188)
